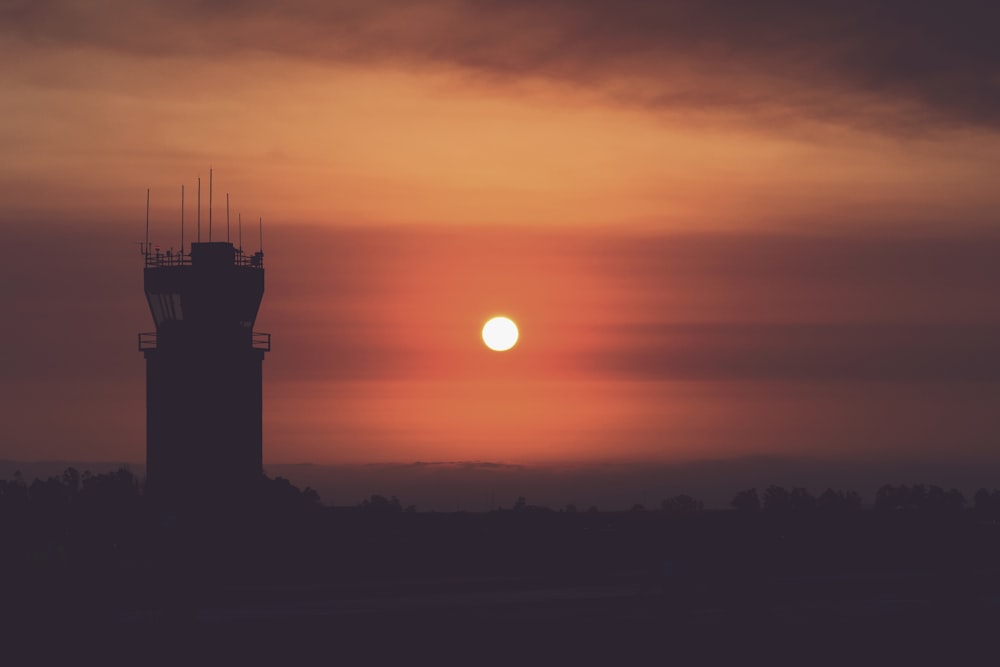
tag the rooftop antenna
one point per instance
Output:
(210, 205)
(227, 217)
(199, 209)
(147, 221)
(239, 217)
(182, 218)
(260, 232)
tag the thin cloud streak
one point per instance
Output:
(809, 352)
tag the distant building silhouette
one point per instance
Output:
(203, 374)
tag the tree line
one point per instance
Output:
(121, 488)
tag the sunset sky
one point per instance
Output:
(724, 229)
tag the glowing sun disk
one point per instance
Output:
(500, 334)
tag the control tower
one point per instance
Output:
(203, 374)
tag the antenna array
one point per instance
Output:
(178, 257)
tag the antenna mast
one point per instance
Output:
(209, 205)
(239, 217)
(147, 221)
(199, 209)
(182, 218)
(260, 231)
(227, 217)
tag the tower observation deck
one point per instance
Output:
(204, 362)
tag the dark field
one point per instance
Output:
(377, 585)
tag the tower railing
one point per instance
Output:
(147, 341)
(259, 340)
(157, 258)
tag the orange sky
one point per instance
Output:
(333, 140)
(721, 233)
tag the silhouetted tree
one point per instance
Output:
(919, 497)
(681, 504)
(280, 495)
(71, 478)
(51, 496)
(939, 500)
(521, 505)
(891, 497)
(311, 496)
(779, 499)
(801, 500)
(746, 501)
(378, 503)
(839, 501)
(987, 503)
(775, 498)
(110, 489)
(13, 492)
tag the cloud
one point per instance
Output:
(893, 65)
(459, 465)
(812, 352)
(838, 307)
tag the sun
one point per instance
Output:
(500, 334)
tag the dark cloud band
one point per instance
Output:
(891, 65)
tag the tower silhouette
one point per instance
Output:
(204, 362)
